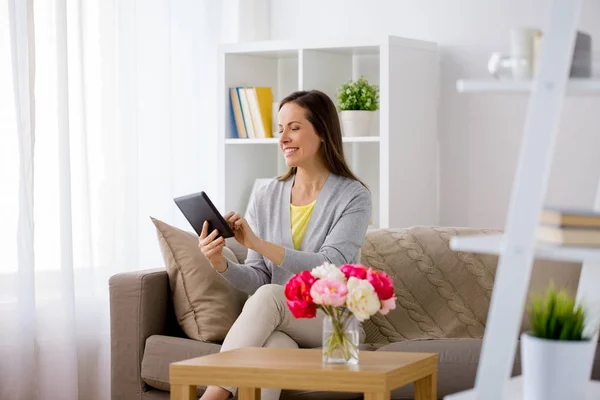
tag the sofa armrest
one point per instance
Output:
(138, 309)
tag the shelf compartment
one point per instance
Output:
(575, 86)
(514, 391)
(494, 244)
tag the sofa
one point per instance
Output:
(442, 303)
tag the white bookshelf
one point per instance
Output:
(397, 159)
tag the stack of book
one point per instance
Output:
(569, 227)
(251, 110)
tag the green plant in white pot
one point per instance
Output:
(557, 354)
(357, 100)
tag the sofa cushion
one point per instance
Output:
(205, 304)
(155, 395)
(161, 350)
(442, 293)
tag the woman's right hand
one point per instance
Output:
(212, 248)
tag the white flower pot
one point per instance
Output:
(556, 370)
(356, 122)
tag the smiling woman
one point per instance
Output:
(317, 212)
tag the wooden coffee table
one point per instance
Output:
(249, 369)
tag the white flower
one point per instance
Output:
(328, 271)
(361, 298)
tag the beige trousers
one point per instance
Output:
(266, 321)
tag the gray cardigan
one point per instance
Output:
(335, 233)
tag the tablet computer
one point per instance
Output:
(197, 208)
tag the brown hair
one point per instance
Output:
(322, 114)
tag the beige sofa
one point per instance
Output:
(443, 298)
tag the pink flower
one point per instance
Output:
(383, 284)
(388, 305)
(356, 270)
(329, 292)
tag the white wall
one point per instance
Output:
(479, 135)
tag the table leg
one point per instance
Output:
(183, 392)
(246, 393)
(377, 396)
(426, 388)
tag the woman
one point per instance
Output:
(318, 211)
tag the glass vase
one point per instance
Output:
(340, 338)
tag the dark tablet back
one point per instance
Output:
(197, 208)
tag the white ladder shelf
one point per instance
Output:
(517, 247)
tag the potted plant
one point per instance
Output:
(357, 101)
(557, 354)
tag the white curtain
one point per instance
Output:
(107, 112)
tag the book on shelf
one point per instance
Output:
(252, 111)
(570, 217)
(236, 109)
(569, 236)
(569, 227)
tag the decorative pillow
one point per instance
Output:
(206, 305)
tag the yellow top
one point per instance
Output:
(299, 216)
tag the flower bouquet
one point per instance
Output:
(347, 295)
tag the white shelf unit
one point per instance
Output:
(517, 247)
(495, 244)
(397, 159)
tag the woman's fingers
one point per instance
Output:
(234, 217)
(204, 230)
(210, 246)
(214, 251)
(236, 221)
(208, 238)
(214, 243)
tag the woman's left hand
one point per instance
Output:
(243, 233)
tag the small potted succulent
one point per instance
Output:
(357, 102)
(557, 353)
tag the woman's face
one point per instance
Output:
(298, 139)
